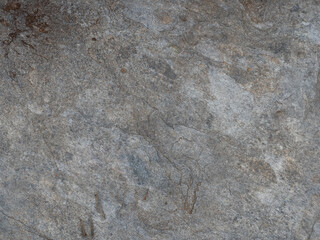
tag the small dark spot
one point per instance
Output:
(14, 35)
(123, 70)
(94, 39)
(13, 75)
(235, 219)
(41, 29)
(183, 18)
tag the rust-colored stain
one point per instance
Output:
(82, 229)
(260, 168)
(23, 20)
(4, 22)
(12, 6)
(34, 20)
(254, 9)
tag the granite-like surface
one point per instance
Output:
(160, 119)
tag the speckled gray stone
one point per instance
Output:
(158, 119)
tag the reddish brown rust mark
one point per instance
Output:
(12, 6)
(34, 20)
(4, 22)
(27, 44)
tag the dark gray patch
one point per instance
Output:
(126, 52)
(91, 227)
(209, 120)
(163, 68)
(4, 142)
(169, 73)
(279, 47)
(68, 156)
(239, 76)
(295, 8)
(139, 169)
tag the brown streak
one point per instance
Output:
(82, 229)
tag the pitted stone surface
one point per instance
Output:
(140, 119)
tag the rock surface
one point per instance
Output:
(140, 119)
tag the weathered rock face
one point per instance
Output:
(140, 119)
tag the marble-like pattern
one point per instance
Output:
(158, 119)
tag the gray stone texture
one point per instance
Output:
(159, 119)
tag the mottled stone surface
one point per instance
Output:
(158, 119)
